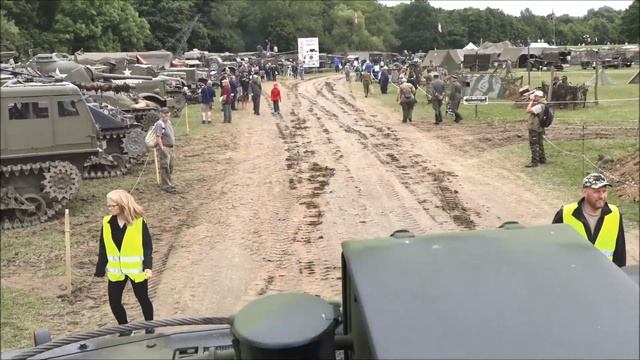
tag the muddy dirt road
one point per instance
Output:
(275, 199)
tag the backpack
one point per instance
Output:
(546, 118)
(150, 138)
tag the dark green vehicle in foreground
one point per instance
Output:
(513, 292)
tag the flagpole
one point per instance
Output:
(553, 21)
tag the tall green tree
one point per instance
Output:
(629, 24)
(419, 30)
(11, 39)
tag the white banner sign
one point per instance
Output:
(308, 52)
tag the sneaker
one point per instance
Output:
(209, 122)
(530, 165)
(149, 331)
(203, 121)
(125, 333)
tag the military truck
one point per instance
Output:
(508, 293)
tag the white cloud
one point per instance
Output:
(573, 8)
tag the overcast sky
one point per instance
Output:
(539, 7)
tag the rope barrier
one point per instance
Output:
(139, 176)
(567, 101)
(608, 174)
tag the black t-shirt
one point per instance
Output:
(117, 233)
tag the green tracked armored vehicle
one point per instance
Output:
(50, 141)
(508, 293)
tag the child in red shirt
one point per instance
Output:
(276, 98)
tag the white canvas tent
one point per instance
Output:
(470, 46)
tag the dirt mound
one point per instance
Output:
(625, 173)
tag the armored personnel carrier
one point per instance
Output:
(50, 140)
(508, 293)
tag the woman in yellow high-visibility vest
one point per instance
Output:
(125, 254)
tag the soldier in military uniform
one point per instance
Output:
(454, 97)
(366, 82)
(437, 96)
(535, 109)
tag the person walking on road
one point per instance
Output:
(597, 221)
(207, 96)
(535, 109)
(256, 92)
(384, 80)
(407, 99)
(227, 100)
(276, 98)
(367, 78)
(165, 141)
(437, 96)
(454, 98)
(125, 254)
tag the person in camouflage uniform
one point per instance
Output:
(366, 82)
(437, 88)
(535, 109)
(454, 97)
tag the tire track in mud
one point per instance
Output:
(409, 167)
(303, 248)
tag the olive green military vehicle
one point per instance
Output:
(50, 140)
(158, 91)
(508, 293)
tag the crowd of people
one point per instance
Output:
(125, 250)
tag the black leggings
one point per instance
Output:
(141, 290)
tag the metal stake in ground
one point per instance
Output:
(67, 245)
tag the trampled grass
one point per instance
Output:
(618, 103)
(565, 172)
(619, 106)
(21, 314)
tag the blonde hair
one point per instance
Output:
(130, 208)
(225, 82)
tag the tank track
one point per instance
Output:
(131, 150)
(57, 183)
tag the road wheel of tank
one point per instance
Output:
(41, 336)
(38, 213)
(133, 144)
(150, 119)
(61, 181)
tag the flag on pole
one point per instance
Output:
(439, 27)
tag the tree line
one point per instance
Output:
(39, 26)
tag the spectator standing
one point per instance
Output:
(535, 109)
(125, 254)
(165, 141)
(256, 92)
(276, 98)
(596, 220)
(227, 100)
(207, 96)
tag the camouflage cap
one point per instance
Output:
(595, 181)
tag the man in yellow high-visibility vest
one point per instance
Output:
(596, 220)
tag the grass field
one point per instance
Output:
(612, 110)
(564, 171)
